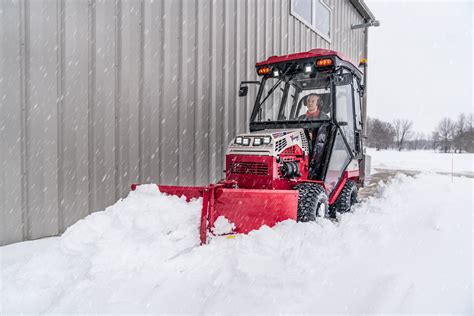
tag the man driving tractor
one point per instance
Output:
(313, 103)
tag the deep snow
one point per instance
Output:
(409, 249)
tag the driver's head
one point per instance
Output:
(312, 102)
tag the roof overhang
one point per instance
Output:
(311, 54)
(363, 9)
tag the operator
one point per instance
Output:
(317, 136)
(313, 103)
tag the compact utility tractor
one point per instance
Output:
(303, 157)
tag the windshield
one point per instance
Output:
(296, 97)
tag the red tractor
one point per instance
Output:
(303, 157)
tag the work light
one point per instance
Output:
(324, 62)
(238, 140)
(257, 141)
(308, 68)
(267, 140)
(263, 71)
(246, 141)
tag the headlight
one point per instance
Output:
(246, 141)
(238, 140)
(267, 140)
(257, 141)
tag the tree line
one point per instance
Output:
(450, 135)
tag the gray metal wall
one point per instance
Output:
(95, 95)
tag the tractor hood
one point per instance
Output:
(267, 142)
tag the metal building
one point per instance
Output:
(98, 94)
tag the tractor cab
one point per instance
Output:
(318, 92)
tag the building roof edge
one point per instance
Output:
(363, 9)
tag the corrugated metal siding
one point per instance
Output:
(98, 94)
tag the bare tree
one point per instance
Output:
(459, 137)
(469, 135)
(403, 132)
(380, 133)
(435, 140)
(470, 121)
(417, 141)
(446, 132)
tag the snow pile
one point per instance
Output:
(110, 258)
(222, 226)
(423, 160)
(406, 250)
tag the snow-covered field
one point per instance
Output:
(408, 249)
(423, 160)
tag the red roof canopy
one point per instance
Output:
(317, 52)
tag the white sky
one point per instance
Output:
(420, 61)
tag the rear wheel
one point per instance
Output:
(312, 202)
(346, 198)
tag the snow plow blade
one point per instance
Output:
(247, 209)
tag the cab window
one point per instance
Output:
(345, 112)
(324, 101)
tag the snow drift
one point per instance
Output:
(406, 250)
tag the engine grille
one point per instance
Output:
(244, 167)
(305, 142)
(280, 144)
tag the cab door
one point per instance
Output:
(344, 144)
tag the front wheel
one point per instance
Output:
(312, 202)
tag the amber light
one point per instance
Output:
(324, 62)
(263, 71)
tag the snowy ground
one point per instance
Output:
(423, 160)
(408, 249)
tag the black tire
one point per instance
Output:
(346, 198)
(312, 202)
